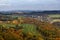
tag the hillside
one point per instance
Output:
(28, 29)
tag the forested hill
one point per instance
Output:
(30, 12)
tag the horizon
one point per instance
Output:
(29, 10)
(26, 10)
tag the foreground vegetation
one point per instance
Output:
(28, 29)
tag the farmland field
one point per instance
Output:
(54, 15)
(29, 28)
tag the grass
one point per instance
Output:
(29, 28)
(26, 27)
(7, 25)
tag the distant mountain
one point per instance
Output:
(29, 12)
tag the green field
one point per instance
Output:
(54, 15)
(29, 28)
(26, 27)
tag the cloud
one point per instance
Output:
(29, 4)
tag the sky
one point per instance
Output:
(29, 5)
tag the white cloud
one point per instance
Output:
(28, 4)
(20, 2)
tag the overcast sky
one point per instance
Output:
(29, 5)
